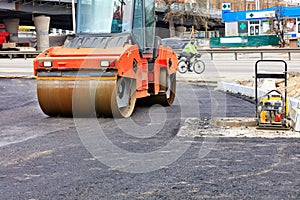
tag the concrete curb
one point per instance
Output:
(235, 122)
(16, 77)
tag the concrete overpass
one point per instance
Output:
(28, 12)
(60, 11)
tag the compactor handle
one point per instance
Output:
(270, 61)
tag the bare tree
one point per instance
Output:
(278, 25)
(194, 12)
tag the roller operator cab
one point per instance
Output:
(113, 59)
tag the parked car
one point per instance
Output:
(174, 43)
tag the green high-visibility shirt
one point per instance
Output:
(190, 48)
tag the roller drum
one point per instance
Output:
(87, 98)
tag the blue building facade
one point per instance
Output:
(257, 22)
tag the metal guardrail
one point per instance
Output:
(24, 54)
(288, 51)
(261, 51)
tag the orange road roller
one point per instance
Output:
(113, 59)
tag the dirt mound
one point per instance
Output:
(293, 85)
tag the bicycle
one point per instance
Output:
(196, 65)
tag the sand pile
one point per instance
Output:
(293, 85)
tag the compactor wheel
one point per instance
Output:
(168, 83)
(123, 97)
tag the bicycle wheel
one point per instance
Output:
(182, 66)
(199, 66)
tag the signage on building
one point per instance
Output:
(233, 40)
(243, 26)
(259, 15)
(226, 6)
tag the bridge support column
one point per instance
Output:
(12, 26)
(42, 32)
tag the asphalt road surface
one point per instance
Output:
(54, 158)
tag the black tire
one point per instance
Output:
(166, 98)
(199, 66)
(182, 67)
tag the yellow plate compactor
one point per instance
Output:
(272, 107)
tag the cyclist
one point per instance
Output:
(189, 51)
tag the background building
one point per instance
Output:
(242, 5)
